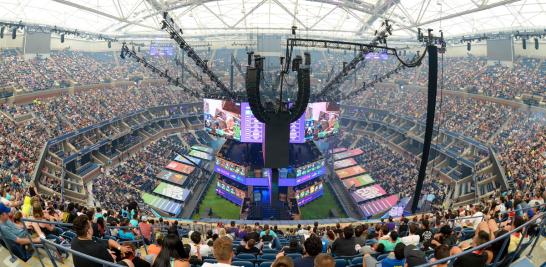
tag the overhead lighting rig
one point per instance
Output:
(175, 33)
(126, 52)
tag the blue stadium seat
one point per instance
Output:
(269, 251)
(341, 263)
(245, 257)
(294, 256)
(266, 264)
(357, 260)
(268, 257)
(382, 256)
(242, 263)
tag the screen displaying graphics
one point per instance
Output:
(201, 155)
(173, 192)
(376, 206)
(222, 118)
(344, 163)
(186, 160)
(252, 131)
(367, 193)
(230, 192)
(205, 149)
(308, 168)
(358, 181)
(172, 177)
(338, 149)
(348, 154)
(180, 167)
(308, 194)
(162, 204)
(232, 167)
(351, 171)
(257, 177)
(321, 120)
(293, 181)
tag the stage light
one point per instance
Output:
(62, 38)
(294, 30)
(536, 43)
(524, 43)
(468, 46)
(14, 33)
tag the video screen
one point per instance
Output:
(231, 189)
(358, 181)
(232, 167)
(205, 149)
(311, 167)
(307, 194)
(351, 171)
(344, 163)
(252, 131)
(348, 154)
(172, 177)
(161, 49)
(201, 155)
(367, 193)
(173, 192)
(187, 160)
(180, 167)
(321, 120)
(222, 118)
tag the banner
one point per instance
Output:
(367, 193)
(180, 167)
(351, 171)
(348, 154)
(358, 181)
(344, 163)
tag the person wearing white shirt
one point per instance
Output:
(197, 248)
(222, 251)
(477, 217)
(413, 238)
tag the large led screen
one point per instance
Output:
(308, 194)
(349, 172)
(367, 193)
(252, 131)
(173, 192)
(180, 167)
(187, 160)
(230, 192)
(321, 120)
(348, 154)
(201, 155)
(172, 177)
(358, 181)
(222, 118)
(344, 163)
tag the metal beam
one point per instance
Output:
(248, 13)
(290, 13)
(68, 3)
(323, 17)
(462, 13)
(216, 15)
(379, 10)
(360, 6)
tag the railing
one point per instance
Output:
(47, 243)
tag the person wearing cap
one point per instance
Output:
(414, 256)
(11, 232)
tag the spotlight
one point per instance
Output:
(524, 43)
(14, 33)
(62, 38)
(294, 30)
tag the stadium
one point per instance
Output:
(272, 133)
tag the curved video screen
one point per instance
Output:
(308, 194)
(321, 120)
(222, 118)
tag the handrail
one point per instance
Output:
(77, 253)
(484, 245)
(46, 222)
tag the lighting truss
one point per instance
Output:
(175, 33)
(125, 52)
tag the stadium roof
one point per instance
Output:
(333, 18)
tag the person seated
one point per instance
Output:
(155, 248)
(345, 246)
(324, 260)
(477, 258)
(197, 248)
(222, 250)
(172, 253)
(390, 243)
(293, 247)
(84, 243)
(16, 236)
(398, 259)
(413, 238)
(248, 247)
(313, 246)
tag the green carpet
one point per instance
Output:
(221, 208)
(320, 207)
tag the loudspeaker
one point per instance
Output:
(2, 32)
(62, 38)
(536, 43)
(468, 47)
(109, 44)
(14, 33)
(524, 43)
